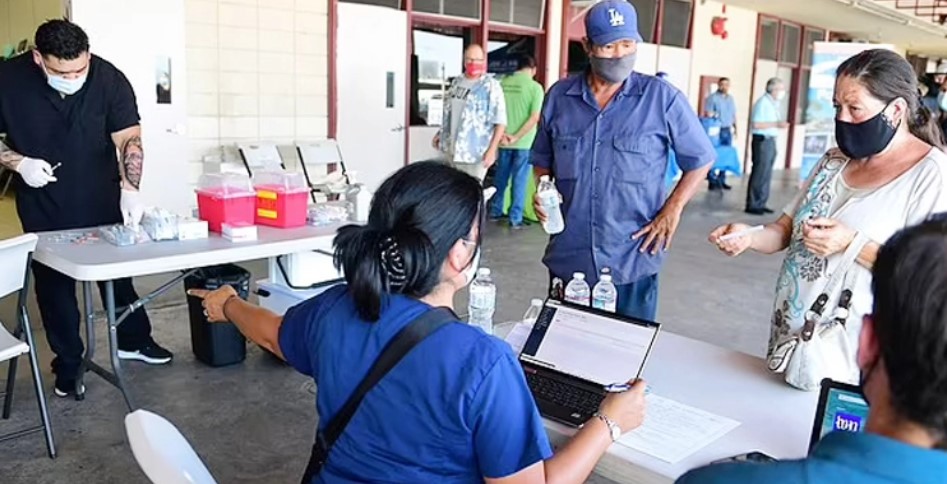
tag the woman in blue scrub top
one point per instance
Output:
(457, 407)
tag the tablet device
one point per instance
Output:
(842, 407)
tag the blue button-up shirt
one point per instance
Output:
(840, 457)
(609, 165)
(766, 110)
(723, 108)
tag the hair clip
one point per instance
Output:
(392, 262)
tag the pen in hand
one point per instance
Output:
(741, 233)
(623, 387)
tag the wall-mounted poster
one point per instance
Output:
(163, 79)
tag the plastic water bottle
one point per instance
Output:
(605, 295)
(549, 199)
(483, 299)
(360, 198)
(578, 291)
(532, 314)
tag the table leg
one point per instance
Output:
(116, 376)
(113, 344)
(89, 316)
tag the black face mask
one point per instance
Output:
(863, 377)
(864, 139)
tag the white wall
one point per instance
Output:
(732, 58)
(19, 18)
(257, 70)
(647, 61)
(677, 63)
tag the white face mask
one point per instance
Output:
(470, 273)
(942, 100)
(780, 95)
(63, 85)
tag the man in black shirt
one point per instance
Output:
(73, 136)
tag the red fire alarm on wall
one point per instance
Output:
(718, 25)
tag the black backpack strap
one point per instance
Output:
(409, 337)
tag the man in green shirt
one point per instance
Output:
(524, 101)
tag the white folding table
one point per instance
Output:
(100, 261)
(774, 418)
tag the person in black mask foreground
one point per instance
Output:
(903, 363)
(889, 172)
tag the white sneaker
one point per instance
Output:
(63, 394)
(152, 354)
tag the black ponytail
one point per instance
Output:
(888, 76)
(417, 215)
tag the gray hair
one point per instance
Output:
(772, 84)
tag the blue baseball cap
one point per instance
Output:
(611, 21)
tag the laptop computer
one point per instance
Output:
(573, 352)
(841, 408)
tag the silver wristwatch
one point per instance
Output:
(613, 429)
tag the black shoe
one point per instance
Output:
(151, 354)
(755, 211)
(725, 186)
(65, 388)
(768, 210)
(713, 186)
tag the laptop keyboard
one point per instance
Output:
(567, 396)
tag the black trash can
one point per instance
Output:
(216, 344)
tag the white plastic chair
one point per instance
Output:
(162, 452)
(15, 257)
(260, 157)
(318, 160)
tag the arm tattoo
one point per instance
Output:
(132, 157)
(8, 158)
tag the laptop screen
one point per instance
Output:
(600, 347)
(842, 408)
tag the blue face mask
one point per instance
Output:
(942, 101)
(63, 85)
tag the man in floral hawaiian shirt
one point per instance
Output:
(474, 117)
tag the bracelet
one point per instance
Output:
(223, 307)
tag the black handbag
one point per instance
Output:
(406, 339)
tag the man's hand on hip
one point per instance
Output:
(36, 173)
(660, 231)
(132, 207)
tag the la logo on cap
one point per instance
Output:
(615, 18)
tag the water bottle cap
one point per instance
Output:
(578, 275)
(536, 302)
(483, 271)
(544, 178)
(606, 270)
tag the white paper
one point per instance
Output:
(518, 335)
(672, 431)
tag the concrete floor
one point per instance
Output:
(254, 422)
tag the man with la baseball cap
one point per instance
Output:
(605, 135)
